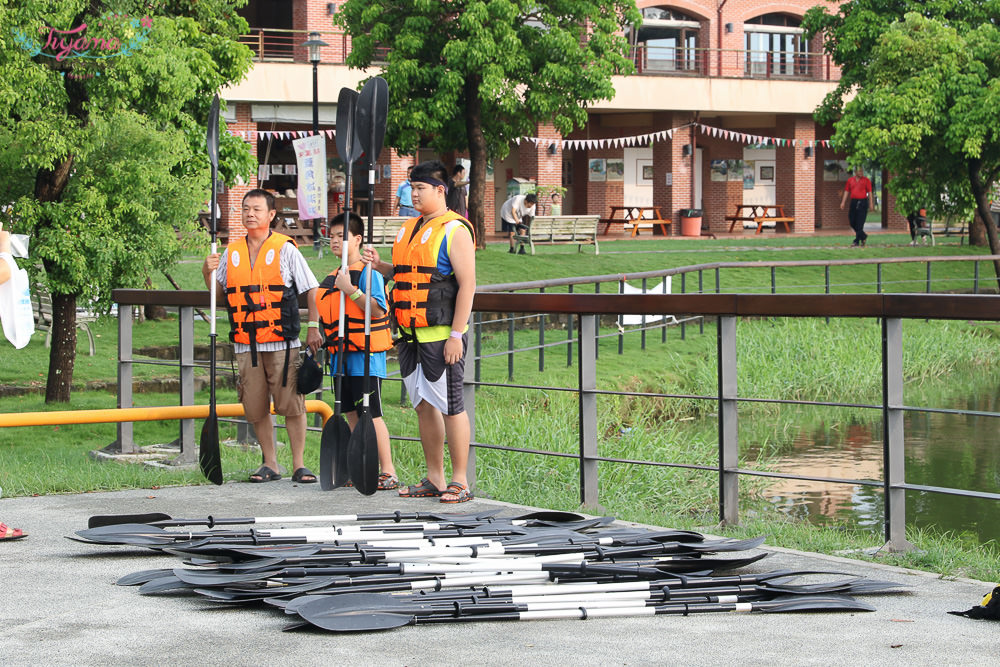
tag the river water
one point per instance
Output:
(946, 450)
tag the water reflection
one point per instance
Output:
(956, 451)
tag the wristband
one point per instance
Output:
(455, 334)
(356, 295)
(312, 325)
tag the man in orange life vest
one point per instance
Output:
(259, 279)
(353, 283)
(434, 269)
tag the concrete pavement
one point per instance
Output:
(59, 605)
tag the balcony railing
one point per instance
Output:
(277, 45)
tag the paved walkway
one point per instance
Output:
(59, 606)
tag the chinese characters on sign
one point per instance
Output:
(310, 157)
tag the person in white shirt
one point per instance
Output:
(516, 214)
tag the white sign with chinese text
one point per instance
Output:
(310, 157)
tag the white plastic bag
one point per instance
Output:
(15, 306)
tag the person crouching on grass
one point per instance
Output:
(434, 269)
(352, 283)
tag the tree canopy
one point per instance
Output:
(926, 78)
(476, 74)
(102, 140)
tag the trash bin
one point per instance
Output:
(690, 222)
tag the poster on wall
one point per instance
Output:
(647, 172)
(735, 168)
(749, 169)
(597, 170)
(833, 169)
(615, 169)
(719, 169)
(766, 173)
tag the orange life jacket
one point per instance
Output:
(260, 307)
(328, 304)
(421, 295)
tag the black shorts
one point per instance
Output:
(506, 227)
(352, 390)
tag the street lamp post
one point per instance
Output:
(314, 44)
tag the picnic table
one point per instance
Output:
(636, 215)
(760, 214)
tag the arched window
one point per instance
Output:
(775, 46)
(667, 41)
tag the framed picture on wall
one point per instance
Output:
(616, 169)
(597, 170)
(766, 173)
(647, 172)
(832, 170)
(749, 169)
(735, 170)
(719, 169)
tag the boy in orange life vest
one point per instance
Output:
(259, 279)
(434, 268)
(352, 283)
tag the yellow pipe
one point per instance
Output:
(138, 414)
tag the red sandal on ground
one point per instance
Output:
(459, 490)
(8, 533)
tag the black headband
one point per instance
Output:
(430, 180)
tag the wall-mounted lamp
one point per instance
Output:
(686, 150)
(331, 8)
(809, 151)
(552, 149)
(729, 27)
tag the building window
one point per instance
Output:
(775, 46)
(666, 41)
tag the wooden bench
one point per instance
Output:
(561, 230)
(385, 228)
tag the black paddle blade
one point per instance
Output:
(335, 436)
(341, 472)
(362, 454)
(348, 146)
(209, 459)
(115, 519)
(373, 108)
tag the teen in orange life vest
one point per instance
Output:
(352, 283)
(434, 269)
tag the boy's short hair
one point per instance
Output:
(268, 197)
(531, 199)
(458, 168)
(355, 225)
(430, 169)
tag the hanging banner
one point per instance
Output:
(310, 157)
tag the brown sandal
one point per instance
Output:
(423, 490)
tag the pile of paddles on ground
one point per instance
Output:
(382, 571)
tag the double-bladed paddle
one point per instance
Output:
(373, 107)
(336, 432)
(209, 459)
(163, 520)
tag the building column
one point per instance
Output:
(795, 183)
(538, 162)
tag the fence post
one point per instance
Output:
(125, 442)
(541, 338)
(186, 354)
(477, 325)
(893, 464)
(588, 411)
(729, 510)
(570, 317)
(469, 396)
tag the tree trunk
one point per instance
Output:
(63, 352)
(153, 312)
(983, 208)
(477, 155)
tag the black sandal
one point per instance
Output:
(304, 476)
(265, 474)
(423, 490)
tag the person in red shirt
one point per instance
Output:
(859, 188)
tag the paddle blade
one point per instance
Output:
(362, 454)
(341, 441)
(114, 519)
(212, 135)
(209, 459)
(328, 447)
(348, 146)
(373, 108)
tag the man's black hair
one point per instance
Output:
(430, 169)
(458, 168)
(354, 224)
(531, 199)
(268, 197)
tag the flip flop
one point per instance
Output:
(423, 490)
(304, 476)
(460, 491)
(11, 534)
(264, 474)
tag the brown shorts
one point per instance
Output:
(259, 385)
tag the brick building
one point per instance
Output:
(718, 113)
